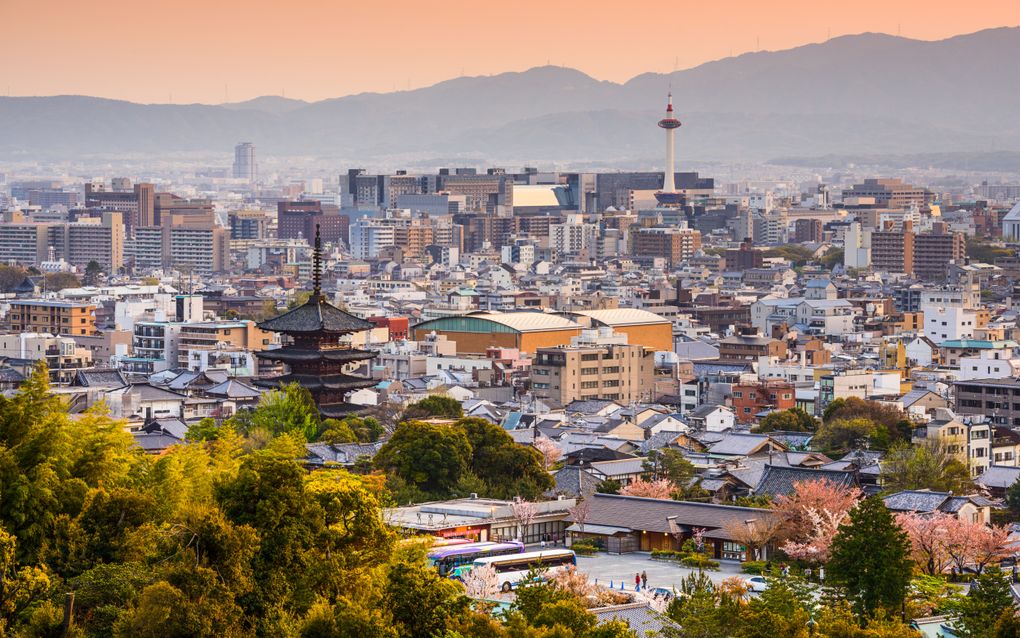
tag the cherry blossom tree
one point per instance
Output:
(992, 546)
(580, 512)
(481, 582)
(524, 512)
(811, 515)
(928, 538)
(659, 488)
(550, 452)
(813, 496)
(971, 543)
(753, 533)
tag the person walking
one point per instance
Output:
(637, 582)
(644, 579)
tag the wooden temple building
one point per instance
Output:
(315, 354)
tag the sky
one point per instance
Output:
(212, 51)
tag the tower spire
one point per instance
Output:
(317, 266)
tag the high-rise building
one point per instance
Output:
(934, 251)
(672, 244)
(298, 220)
(890, 193)
(807, 230)
(137, 204)
(247, 224)
(892, 249)
(52, 316)
(245, 166)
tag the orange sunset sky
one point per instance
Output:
(212, 50)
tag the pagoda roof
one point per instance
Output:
(315, 315)
(292, 353)
(313, 382)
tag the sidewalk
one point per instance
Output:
(621, 568)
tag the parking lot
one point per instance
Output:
(617, 568)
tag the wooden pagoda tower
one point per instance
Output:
(314, 351)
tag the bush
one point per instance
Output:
(755, 567)
(584, 549)
(699, 561)
(667, 554)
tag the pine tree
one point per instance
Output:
(871, 559)
(983, 606)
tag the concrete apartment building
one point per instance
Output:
(137, 203)
(99, 239)
(62, 355)
(599, 364)
(889, 193)
(672, 244)
(51, 316)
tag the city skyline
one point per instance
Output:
(230, 52)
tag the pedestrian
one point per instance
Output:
(644, 579)
(543, 542)
(637, 582)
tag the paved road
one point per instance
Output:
(621, 568)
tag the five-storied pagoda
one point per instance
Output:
(315, 350)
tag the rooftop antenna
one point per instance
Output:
(317, 266)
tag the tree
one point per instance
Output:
(670, 464)
(832, 258)
(811, 514)
(895, 423)
(524, 513)
(19, 588)
(430, 456)
(928, 465)
(421, 601)
(871, 559)
(580, 512)
(335, 432)
(481, 582)
(928, 536)
(92, 271)
(10, 277)
(701, 610)
(970, 543)
(1013, 498)
(754, 533)
(609, 486)
(837, 437)
(507, 468)
(658, 488)
(289, 410)
(56, 281)
(988, 599)
(550, 452)
(434, 405)
(792, 420)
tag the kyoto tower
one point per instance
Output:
(668, 195)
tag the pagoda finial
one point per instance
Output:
(317, 266)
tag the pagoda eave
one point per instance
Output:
(314, 383)
(288, 354)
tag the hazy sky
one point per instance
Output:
(212, 50)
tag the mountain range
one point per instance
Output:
(861, 94)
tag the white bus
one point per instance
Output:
(513, 569)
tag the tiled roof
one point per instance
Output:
(916, 501)
(999, 477)
(652, 515)
(779, 481)
(645, 621)
(316, 315)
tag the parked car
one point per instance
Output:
(757, 583)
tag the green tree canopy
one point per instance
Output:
(925, 466)
(434, 405)
(871, 559)
(988, 599)
(430, 456)
(289, 410)
(792, 420)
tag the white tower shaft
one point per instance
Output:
(668, 185)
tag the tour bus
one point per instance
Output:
(446, 559)
(434, 541)
(512, 570)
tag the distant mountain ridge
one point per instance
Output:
(861, 94)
